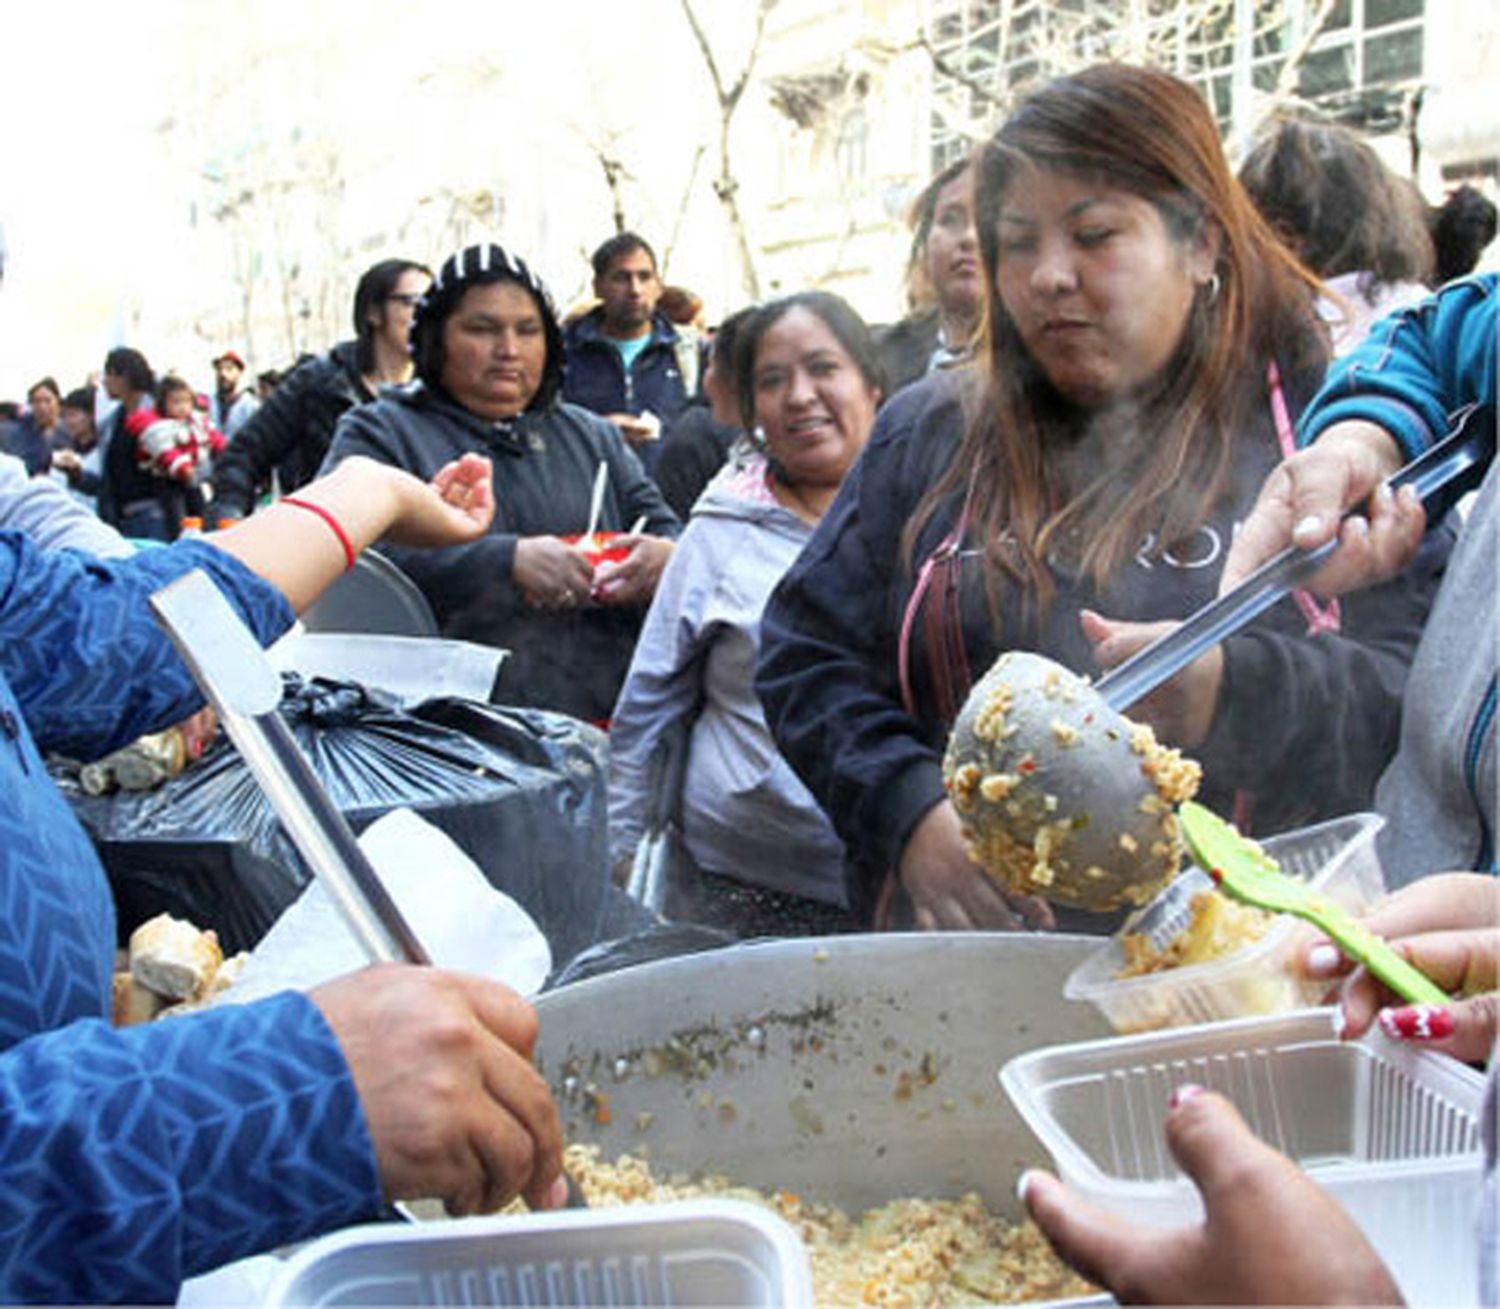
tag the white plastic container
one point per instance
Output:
(1337, 858)
(1392, 1133)
(708, 1252)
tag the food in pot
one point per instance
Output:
(1059, 795)
(907, 1252)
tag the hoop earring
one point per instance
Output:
(1214, 285)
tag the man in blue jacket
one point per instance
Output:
(623, 355)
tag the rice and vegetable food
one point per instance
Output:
(1059, 795)
(906, 1252)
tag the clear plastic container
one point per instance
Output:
(1392, 1133)
(1336, 857)
(708, 1252)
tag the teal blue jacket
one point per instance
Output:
(1439, 794)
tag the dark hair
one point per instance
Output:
(622, 243)
(130, 364)
(1342, 210)
(832, 311)
(726, 338)
(920, 218)
(271, 378)
(81, 399)
(1148, 133)
(482, 265)
(1461, 228)
(46, 384)
(374, 288)
(166, 385)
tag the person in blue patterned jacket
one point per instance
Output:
(137, 1157)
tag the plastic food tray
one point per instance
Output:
(1391, 1132)
(1337, 857)
(708, 1252)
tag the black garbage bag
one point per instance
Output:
(521, 791)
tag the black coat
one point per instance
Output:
(691, 453)
(1305, 724)
(290, 433)
(545, 463)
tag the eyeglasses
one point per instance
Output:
(411, 299)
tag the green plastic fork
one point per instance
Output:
(1251, 876)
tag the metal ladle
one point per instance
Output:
(1055, 791)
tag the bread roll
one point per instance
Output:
(227, 975)
(173, 958)
(133, 1003)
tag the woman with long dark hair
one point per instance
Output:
(944, 282)
(1351, 220)
(290, 433)
(1148, 343)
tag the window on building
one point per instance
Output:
(1363, 64)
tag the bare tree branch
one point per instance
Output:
(726, 186)
(682, 207)
(942, 66)
(707, 51)
(1293, 66)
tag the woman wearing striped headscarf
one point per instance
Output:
(489, 358)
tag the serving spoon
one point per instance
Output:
(1064, 797)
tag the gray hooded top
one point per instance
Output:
(746, 815)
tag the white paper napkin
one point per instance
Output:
(463, 922)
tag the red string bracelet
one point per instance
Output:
(336, 527)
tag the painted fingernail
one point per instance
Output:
(1308, 526)
(1023, 1184)
(1187, 1091)
(1323, 959)
(1340, 1022)
(1417, 1022)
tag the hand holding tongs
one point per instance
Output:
(245, 690)
(1467, 449)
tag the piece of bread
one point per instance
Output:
(133, 1003)
(173, 958)
(227, 975)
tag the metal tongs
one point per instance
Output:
(1460, 459)
(245, 691)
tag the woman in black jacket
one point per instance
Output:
(488, 355)
(290, 433)
(1148, 343)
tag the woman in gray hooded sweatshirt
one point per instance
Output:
(767, 859)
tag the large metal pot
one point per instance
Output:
(851, 1069)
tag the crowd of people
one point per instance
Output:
(785, 549)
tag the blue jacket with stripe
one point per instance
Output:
(135, 1158)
